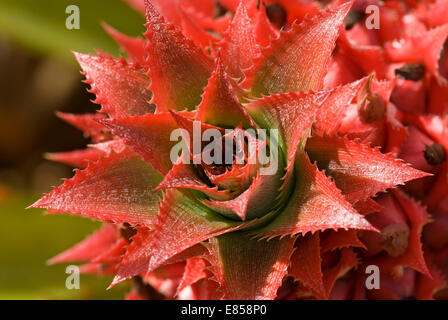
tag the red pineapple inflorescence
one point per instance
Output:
(361, 172)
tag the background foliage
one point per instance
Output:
(38, 75)
(40, 25)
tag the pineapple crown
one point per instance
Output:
(227, 231)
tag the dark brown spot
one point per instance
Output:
(441, 294)
(216, 169)
(220, 10)
(435, 154)
(373, 108)
(411, 71)
(443, 61)
(202, 175)
(103, 266)
(127, 232)
(145, 290)
(353, 18)
(276, 14)
(395, 239)
(442, 53)
(287, 288)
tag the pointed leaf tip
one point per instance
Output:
(149, 136)
(134, 47)
(220, 106)
(297, 60)
(239, 46)
(315, 205)
(91, 247)
(357, 169)
(88, 124)
(117, 188)
(179, 70)
(120, 88)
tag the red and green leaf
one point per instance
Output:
(149, 136)
(297, 61)
(220, 106)
(117, 188)
(122, 89)
(179, 70)
(315, 205)
(359, 171)
(238, 46)
(240, 272)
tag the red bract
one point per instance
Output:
(348, 103)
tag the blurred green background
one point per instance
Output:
(38, 76)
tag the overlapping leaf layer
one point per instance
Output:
(355, 128)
